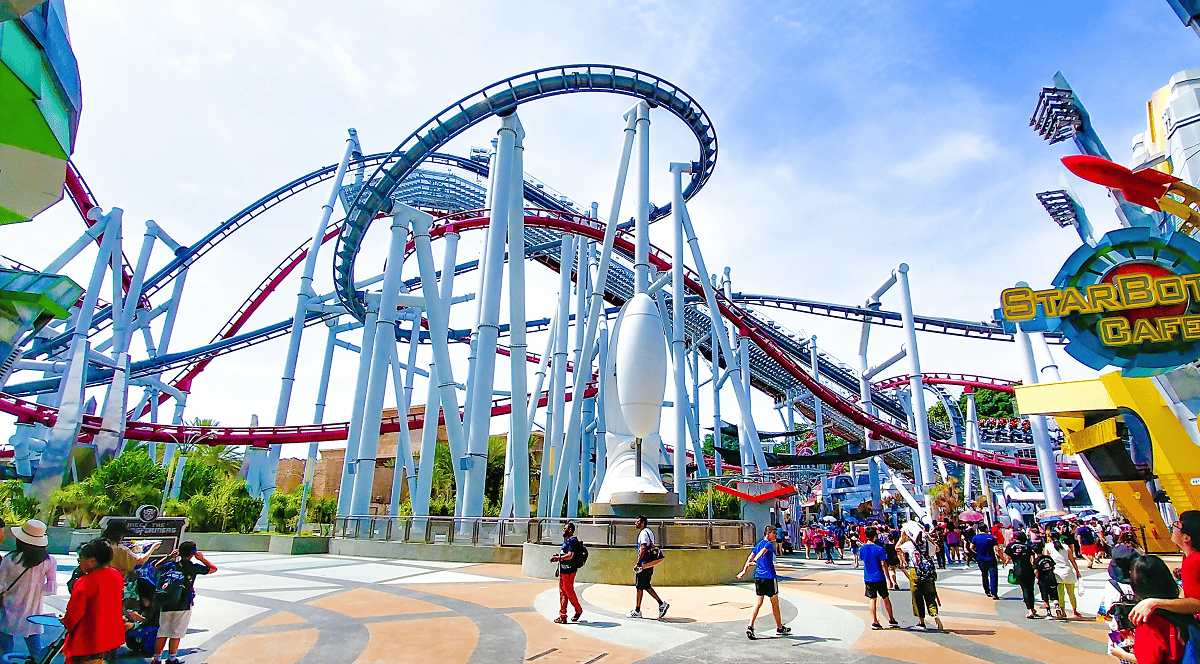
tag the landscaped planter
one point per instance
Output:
(298, 545)
(254, 542)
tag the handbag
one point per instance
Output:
(1012, 577)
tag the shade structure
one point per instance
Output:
(40, 100)
(838, 455)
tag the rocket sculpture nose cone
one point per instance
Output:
(641, 365)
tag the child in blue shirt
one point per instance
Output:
(766, 582)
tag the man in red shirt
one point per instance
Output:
(998, 533)
(1185, 533)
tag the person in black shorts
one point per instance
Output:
(766, 581)
(643, 571)
(874, 560)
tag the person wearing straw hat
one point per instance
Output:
(26, 576)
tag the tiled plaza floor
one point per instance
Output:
(268, 609)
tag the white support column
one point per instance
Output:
(1047, 472)
(516, 484)
(818, 407)
(61, 439)
(303, 295)
(969, 470)
(310, 461)
(404, 455)
(483, 380)
(710, 298)
(1049, 370)
(718, 437)
(924, 450)
(554, 450)
(438, 309)
(354, 432)
(601, 427)
(641, 212)
(678, 352)
(433, 400)
(596, 304)
(383, 348)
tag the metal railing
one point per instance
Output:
(492, 531)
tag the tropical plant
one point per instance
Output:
(118, 487)
(947, 499)
(15, 506)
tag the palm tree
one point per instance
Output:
(227, 459)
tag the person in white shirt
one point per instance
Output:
(1067, 572)
(26, 576)
(643, 570)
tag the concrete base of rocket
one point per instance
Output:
(630, 504)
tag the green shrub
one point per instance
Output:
(724, 506)
(15, 506)
(322, 510)
(117, 488)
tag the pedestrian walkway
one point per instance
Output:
(269, 609)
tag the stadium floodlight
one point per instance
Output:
(1057, 116)
(1188, 12)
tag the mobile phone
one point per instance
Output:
(1115, 637)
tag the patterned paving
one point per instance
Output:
(267, 609)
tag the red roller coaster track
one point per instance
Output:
(963, 380)
(566, 223)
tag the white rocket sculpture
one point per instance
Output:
(635, 382)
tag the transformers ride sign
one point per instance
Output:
(1132, 301)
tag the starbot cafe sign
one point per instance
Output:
(1132, 301)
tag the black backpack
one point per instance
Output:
(581, 555)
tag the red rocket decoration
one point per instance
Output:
(1143, 188)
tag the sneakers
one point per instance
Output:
(575, 618)
(562, 620)
(173, 660)
(876, 626)
(662, 609)
(750, 632)
(635, 614)
(921, 626)
(892, 623)
(783, 631)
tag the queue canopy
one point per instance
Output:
(839, 455)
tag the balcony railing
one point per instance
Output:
(491, 531)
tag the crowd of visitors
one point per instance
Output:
(117, 596)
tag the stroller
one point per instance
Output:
(51, 650)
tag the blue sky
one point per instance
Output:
(853, 136)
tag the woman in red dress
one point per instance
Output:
(95, 626)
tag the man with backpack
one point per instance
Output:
(573, 556)
(923, 582)
(175, 594)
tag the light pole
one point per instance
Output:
(174, 483)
